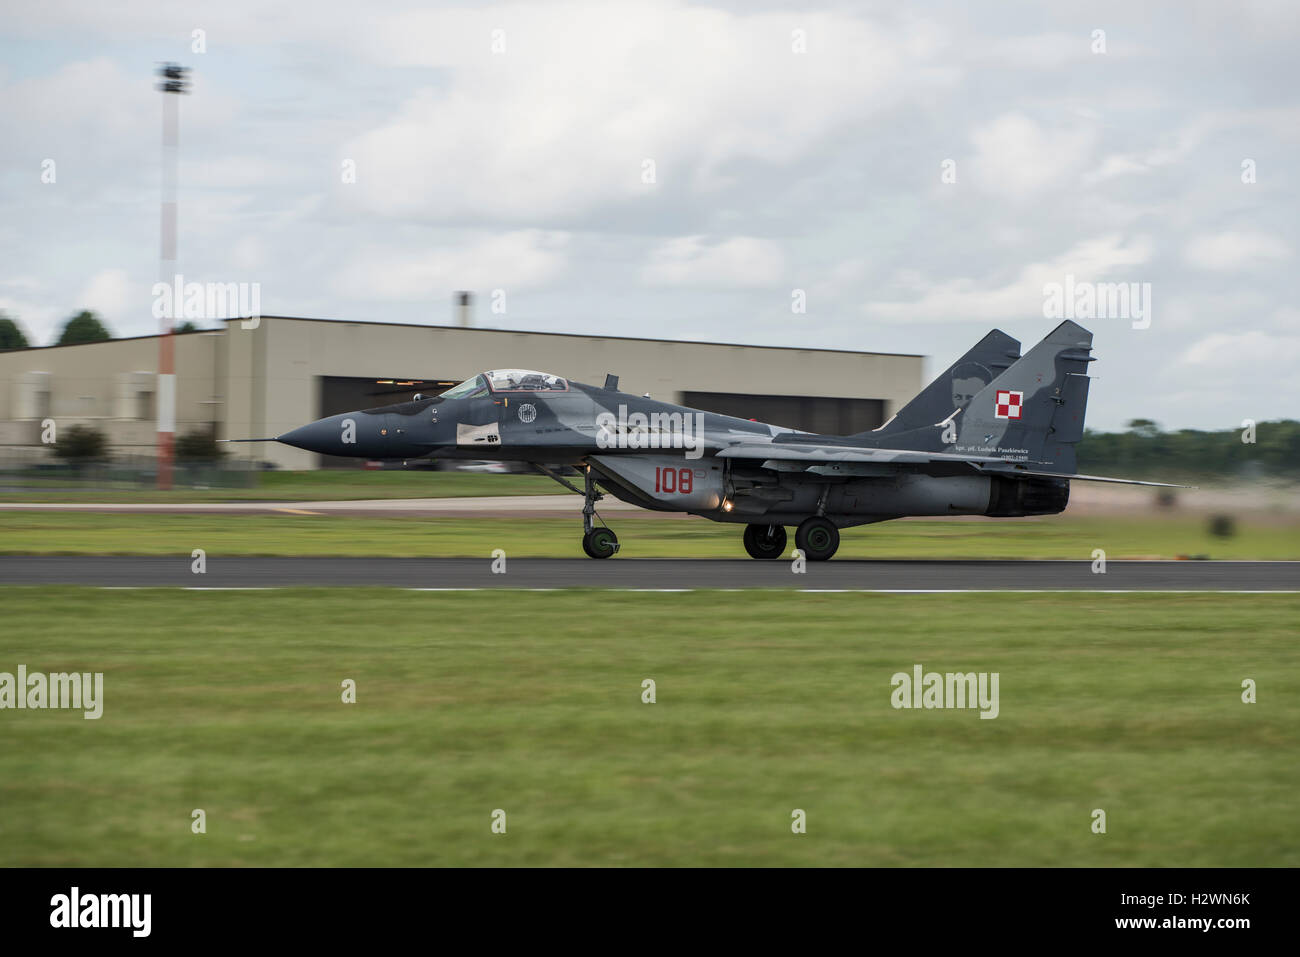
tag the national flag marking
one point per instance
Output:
(1008, 404)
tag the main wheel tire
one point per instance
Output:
(817, 538)
(600, 543)
(764, 541)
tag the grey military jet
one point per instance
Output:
(993, 435)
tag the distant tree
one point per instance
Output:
(83, 327)
(81, 444)
(1147, 428)
(11, 334)
(1146, 452)
(198, 447)
(187, 326)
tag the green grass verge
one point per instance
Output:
(230, 702)
(53, 533)
(305, 487)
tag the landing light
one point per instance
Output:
(726, 506)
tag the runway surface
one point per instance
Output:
(650, 574)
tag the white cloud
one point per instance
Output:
(1231, 251)
(1014, 156)
(1044, 51)
(1094, 260)
(111, 293)
(1153, 158)
(248, 253)
(1228, 369)
(515, 260)
(85, 115)
(1250, 353)
(562, 121)
(739, 261)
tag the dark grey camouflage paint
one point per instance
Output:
(929, 459)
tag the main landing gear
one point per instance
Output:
(764, 541)
(817, 538)
(596, 542)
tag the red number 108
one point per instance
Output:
(674, 480)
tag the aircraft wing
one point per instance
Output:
(815, 454)
(833, 459)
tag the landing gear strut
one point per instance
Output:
(596, 542)
(764, 541)
(817, 538)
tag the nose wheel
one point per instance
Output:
(596, 542)
(599, 543)
(817, 538)
(764, 541)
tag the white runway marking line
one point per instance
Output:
(1048, 591)
(226, 587)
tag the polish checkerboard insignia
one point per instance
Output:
(1008, 404)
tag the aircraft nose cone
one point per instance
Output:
(322, 436)
(354, 434)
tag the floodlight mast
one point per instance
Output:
(174, 81)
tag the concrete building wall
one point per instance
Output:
(264, 381)
(109, 385)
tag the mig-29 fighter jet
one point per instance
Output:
(993, 435)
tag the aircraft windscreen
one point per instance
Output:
(470, 388)
(525, 380)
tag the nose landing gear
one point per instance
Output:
(599, 543)
(596, 542)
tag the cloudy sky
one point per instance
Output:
(921, 172)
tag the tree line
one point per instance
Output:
(85, 326)
(1261, 450)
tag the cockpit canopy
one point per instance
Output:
(507, 380)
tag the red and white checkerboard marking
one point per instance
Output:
(1008, 404)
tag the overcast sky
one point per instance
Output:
(920, 171)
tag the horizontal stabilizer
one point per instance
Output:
(1080, 478)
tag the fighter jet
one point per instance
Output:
(995, 435)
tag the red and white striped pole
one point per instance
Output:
(173, 83)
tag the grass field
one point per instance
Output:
(230, 702)
(46, 533)
(318, 486)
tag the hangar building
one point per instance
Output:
(242, 382)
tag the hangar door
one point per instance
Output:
(832, 415)
(349, 393)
